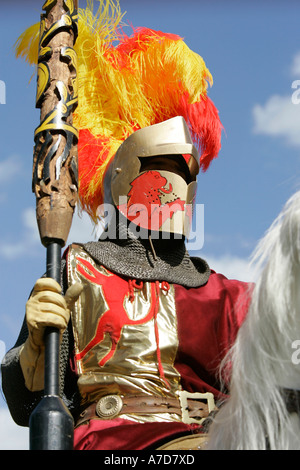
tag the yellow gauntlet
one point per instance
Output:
(46, 307)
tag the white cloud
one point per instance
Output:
(82, 229)
(278, 117)
(12, 437)
(28, 241)
(232, 267)
(295, 69)
(9, 168)
(29, 222)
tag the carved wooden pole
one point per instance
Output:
(54, 183)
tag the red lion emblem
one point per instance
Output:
(115, 290)
(144, 206)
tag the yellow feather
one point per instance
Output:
(27, 45)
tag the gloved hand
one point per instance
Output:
(45, 307)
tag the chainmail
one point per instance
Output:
(134, 257)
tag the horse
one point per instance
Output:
(262, 411)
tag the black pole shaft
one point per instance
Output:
(54, 261)
(51, 424)
(52, 342)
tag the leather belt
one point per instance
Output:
(191, 407)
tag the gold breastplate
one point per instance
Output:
(125, 333)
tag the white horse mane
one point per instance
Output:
(262, 359)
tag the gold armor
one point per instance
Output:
(117, 345)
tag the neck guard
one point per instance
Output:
(133, 257)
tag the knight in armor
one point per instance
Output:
(144, 326)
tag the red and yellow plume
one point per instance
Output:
(127, 83)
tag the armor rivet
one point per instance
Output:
(109, 407)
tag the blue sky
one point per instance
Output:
(253, 52)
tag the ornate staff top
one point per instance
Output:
(55, 181)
